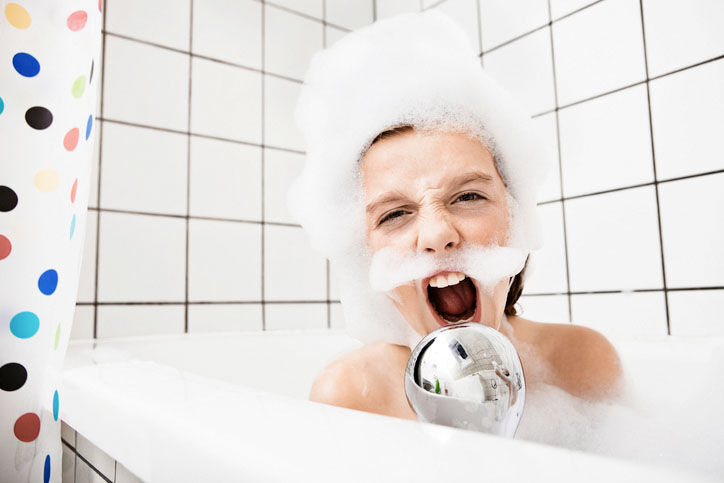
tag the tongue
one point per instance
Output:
(453, 300)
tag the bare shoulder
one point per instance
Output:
(585, 362)
(363, 379)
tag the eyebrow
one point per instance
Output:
(458, 180)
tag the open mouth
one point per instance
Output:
(452, 297)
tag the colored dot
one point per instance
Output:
(27, 427)
(24, 325)
(90, 77)
(5, 247)
(17, 16)
(74, 191)
(38, 117)
(57, 337)
(12, 376)
(70, 141)
(88, 126)
(46, 180)
(26, 64)
(56, 404)
(46, 469)
(77, 20)
(48, 281)
(72, 226)
(8, 199)
(2, 105)
(99, 5)
(78, 87)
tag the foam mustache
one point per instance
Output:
(488, 265)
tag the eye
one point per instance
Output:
(469, 196)
(389, 216)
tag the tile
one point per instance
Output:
(143, 170)
(87, 278)
(613, 241)
(336, 314)
(280, 99)
(687, 113)
(621, 314)
(606, 142)
(560, 8)
(67, 433)
(289, 42)
(293, 271)
(97, 82)
(544, 308)
(692, 231)
(123, 475)
(235, 114)
(551, 187)
(136, 320)
(225, 179)
(141, 258)
(224, 317)
(95, 163)
(96, 457)
(157, 97)
(350, 15)
(697, 313)
(332, 35)
(548, 267)
(296, 316)
(502, 20)
(85, 474)
(229, 30)
(465, 13)
(68, 465)
(164, 22)
(333, 283)
(591, 61)
(525, 68)
(429, 3)
(678, 35)
(390, 8)
(281, 168)
(224, 261)
(82, 322)
(313, 8)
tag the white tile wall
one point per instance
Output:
(296, 316)
(336, 315)
(548, 271)
(280, 169)
(280, 97)
(613, 241)
(590, 58)
(224, 317)
(224, 261)
(87, 280)
(621, 314)
(146, 85)
(687, 110)
(678, 35)
(133, 320)
(691, 225)
(697, 312)
(235, 114)
(349, 15)
(525, 67)
(465, 13)
(544, 308)
(389, 8)
(551, 186)
(502, 20)
(333, 34)
(308, 7)
(285, 57)
(560, 8)
(228, 30)
(225, 180)
(164, 22)
(606, 143)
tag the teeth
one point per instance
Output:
(445, 280)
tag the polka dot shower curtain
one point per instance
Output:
(49, 56)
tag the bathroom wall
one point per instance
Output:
(188, 230)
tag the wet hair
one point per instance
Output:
(516, 288)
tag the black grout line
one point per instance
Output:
(326, 261)
(205, 136)
(374, 11)
(263, 140)
(193, 217)
(188, 168)
(100, 157)
(653, 164)
(560, 172)
(621, 291)
(78, 455)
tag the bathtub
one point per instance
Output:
(233, 407)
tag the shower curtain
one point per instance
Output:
(49, 76)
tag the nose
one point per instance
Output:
(437, 233)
